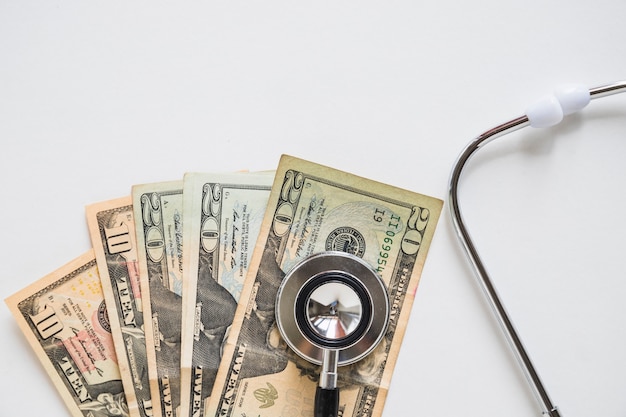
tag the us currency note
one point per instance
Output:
(223, 215)
(159, 228)
(64, 317)
(112, 230)
(311, 209)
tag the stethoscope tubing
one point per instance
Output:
(486, 284)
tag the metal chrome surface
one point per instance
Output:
(334, 310)
(361, 332)
(539, 390)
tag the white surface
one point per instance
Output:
(98, 96)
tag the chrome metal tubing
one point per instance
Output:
(608, 90)
(328, 374)
(539, 390)
(483, 277)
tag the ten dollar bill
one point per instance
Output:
(112, 229)
(64, 318)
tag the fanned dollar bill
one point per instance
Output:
(223, 215)
(158, 221)
(112, 229)
(64, 318)
(313, 208)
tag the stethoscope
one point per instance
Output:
(547, 112)
(332, 309)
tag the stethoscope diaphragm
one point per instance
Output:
(332, 309)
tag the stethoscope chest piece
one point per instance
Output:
(332, 309)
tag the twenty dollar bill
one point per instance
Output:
(159, 228)
(311, 209)
(223, 215)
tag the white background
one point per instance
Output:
(96, 96)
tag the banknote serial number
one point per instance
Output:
(393, 226)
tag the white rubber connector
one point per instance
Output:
(572, 97)
(549, 110)
(545, 112)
